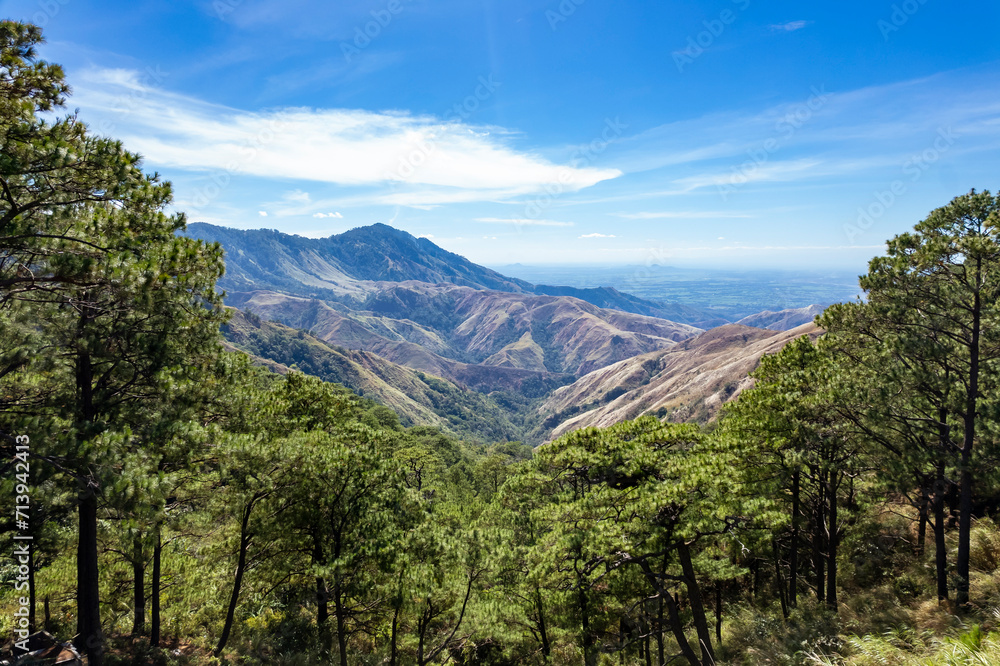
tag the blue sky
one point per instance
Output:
(711, 133)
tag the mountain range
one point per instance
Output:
(448, 343)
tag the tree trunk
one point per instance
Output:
(940, 548)
(793, 555)
(779, 579)
(971, 407)
(922, 521)
(964, 529)
(622, 638)
(542, 631)
(241, 565)
(817, 546)
(678, 629)
(322, 594)
(831, 557)
(647, 643)
(90, 639)
(138, 587)
(393, 648)
(697, 606)
(341, 613)
(154, 618)
(718, 612)
(589, 656)
(661, 654)
(421, 630)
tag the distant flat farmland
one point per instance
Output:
(730, 294)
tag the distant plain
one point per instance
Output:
(733, 294)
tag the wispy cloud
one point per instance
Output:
(826, 132)
(297, 196)
(344, 147)
(791, 26)
(326, 215)
(595, 235)
(523, 222)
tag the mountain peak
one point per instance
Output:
(260, 259)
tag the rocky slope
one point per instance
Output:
(423, 326)
(784, 320)
(688, 382)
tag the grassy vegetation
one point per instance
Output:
(418, 398)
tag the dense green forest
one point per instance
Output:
(186, 506)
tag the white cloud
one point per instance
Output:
(297, 196)
(326, 215)
(523, 222)
(598, 236)
(262, 213)
(427, 236)
(346, 147)
(789, 170)
(791, 26)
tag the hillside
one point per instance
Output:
(783, 320)
(416, 397)
(688, 382)
(417, 325)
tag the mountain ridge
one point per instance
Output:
(345, 267)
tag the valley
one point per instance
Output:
(450, 344)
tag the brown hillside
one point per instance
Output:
(688, 382)
(415, 324)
